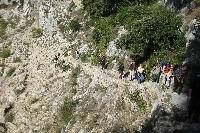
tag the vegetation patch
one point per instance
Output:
(74, 75)
(120, 104)
(74, 25)
(17, 60)
(84, 57)
(19, 92)
(67, 110)
(37, 32)
(62, 28)
(21, 4)
(153, 30)
(197, 2)
(3, 26)
(9, 117)
(3, 6)
(141, 103)
(29, 22)
(72, 6)
(6, 52)
(10, 71)
(13, 21)
(65, 67)
(34, 100)
(100, 88)
(109, 7)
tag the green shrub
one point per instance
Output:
(9, 117)
(100, 88)
(158, 31)
(197, 2)
(3, 6)
(141, 103)
(6, 52)
(100, 7)
(74, 75)
(104, 30)
(67, 110)
(19, 92)
(29, 22)
(3, 26)
(74, 25)
(65, 67)
(17, 60)
(62, 28)
(37, 32)
(84, 57)
(95, 59)
(104, 8)
(153, 30)
(21, 4)
(10, 71)
(127, 15)
(72, 6)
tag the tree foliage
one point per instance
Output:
(153, 30)
(159, 30)
(107, 7)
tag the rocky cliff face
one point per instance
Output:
(43, 88)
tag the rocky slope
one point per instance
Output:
(45, 89)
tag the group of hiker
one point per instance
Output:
(185, 79)
(162, 72)
(134, 73)
(168, 74)
(137, 72)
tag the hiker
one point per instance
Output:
(56, 59)
(169, 75)
(77, 54)
(132, 71)
(121, 69)
(165, 70)
(155, 73)
(179, 78)
(133, 74)
(140, 72)
(103, 62)
(193, 84)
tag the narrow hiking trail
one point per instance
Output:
(104, 76)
